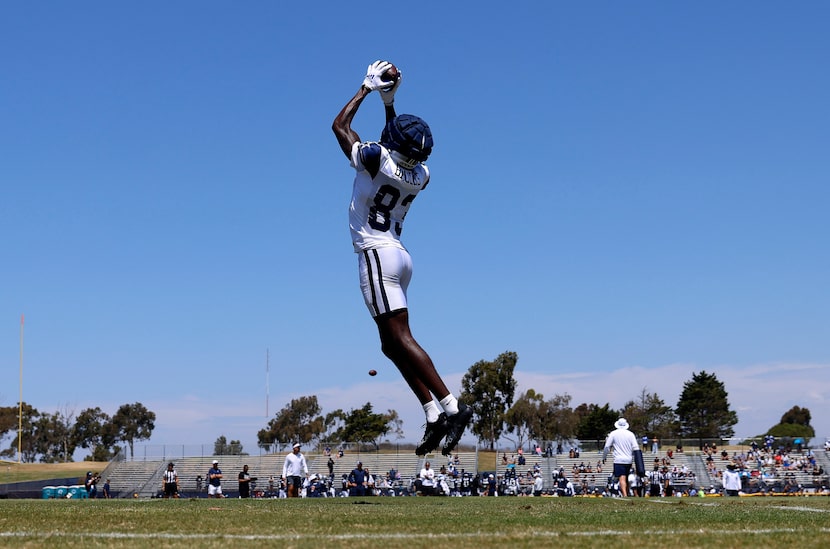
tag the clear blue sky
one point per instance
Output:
(622, 193)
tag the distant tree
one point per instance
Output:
(791, 430)
(488, 388)
(558, 420)
(28, 445)
(8, 420)
(395, 424)
(93, 429)
(595, 421)
(133, 422)
(298, 421)
(525, 418)
(795, 423)
(703, 409)
(66, 421)
(649, 415)
(362, 425)
(51, 438)
(224, 448)
(798, 416)
(333, 425)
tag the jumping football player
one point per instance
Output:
(390, 173)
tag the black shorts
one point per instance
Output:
(294, 481)
(622, 469)
(170, 489)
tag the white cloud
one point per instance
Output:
(760, 394)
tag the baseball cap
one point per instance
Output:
(215, 461)
(296, 445)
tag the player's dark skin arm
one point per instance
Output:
(342, 125)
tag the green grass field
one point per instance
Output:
(419, 522)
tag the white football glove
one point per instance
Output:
(388, 94)
(372, 80)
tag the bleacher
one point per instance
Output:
(598, 477)
(546, 467)
(128, 477)
(143, 478)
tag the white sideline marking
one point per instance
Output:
(345, 537)
(800, 508)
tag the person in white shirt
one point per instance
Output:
(294, 470)
(731, 480)
(538, 484)
(427, 480)
(624, 443)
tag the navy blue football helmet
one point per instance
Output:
(409, 135)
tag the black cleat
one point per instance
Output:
(433, 435)
(455, 427)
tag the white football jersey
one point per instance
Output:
(382, 194)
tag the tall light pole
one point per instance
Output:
(20, 401)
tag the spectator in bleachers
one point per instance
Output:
(330, 465)
(106, 491)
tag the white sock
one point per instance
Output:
(450, 405)
(432, 411)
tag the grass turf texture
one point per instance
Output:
(19, 472)
(418, 522)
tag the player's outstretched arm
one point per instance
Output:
(342, 125)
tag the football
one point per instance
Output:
(391, 74)
(373, 372)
